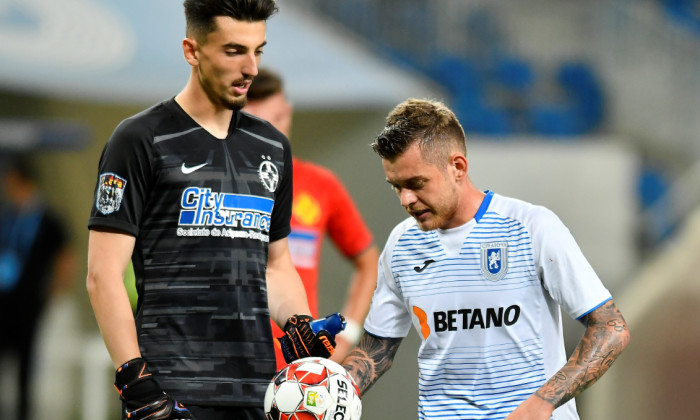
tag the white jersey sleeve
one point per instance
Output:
(565, 272)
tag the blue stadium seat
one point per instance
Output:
(555, 121)
(458, 74)
(581, 85)
(685, 13)
(479, 117)
(513, 73)
(653, 186)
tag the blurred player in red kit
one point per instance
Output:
(321, 205)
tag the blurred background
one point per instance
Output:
(589, 108)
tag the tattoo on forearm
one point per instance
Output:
(372, 357)
(605, 337)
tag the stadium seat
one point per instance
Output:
(459, 74)
(479, 117)
(513, 73)
(685, 13)
(559, 121)
(581, 85)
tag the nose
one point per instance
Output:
(407, 197)
(250, 66)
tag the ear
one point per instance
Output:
(459, 165)
(189, 49)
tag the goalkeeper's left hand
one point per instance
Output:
(144, 398)
(300, 341)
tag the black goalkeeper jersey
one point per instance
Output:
(203, 211)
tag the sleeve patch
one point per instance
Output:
(109, 192)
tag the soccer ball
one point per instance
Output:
(312, 388)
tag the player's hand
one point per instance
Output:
(533, 408)
(144, 398)
(300, 341)
(164, 408)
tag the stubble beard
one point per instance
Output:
(440, 215)
(222, 98)
(234, 104)
(434, 222)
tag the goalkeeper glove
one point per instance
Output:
(144, 398)
(300, 341)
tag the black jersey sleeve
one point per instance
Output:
(280, 226)
(123, 177)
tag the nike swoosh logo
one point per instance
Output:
(425, 265)
(189, 169)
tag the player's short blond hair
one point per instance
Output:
(430, 123)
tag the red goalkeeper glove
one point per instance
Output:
(300, 341)
(144, 398)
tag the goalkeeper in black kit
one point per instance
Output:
(197, 194)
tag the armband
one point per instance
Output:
(352, 332)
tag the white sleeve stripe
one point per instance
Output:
(594, 308)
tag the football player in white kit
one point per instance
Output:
(482, 278)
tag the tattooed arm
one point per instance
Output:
(605, 337)
(370, 359)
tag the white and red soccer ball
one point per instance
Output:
(313, 388)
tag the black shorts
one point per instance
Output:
(221, 413)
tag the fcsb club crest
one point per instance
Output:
(109, 193)
(494, 260)
(267, 171)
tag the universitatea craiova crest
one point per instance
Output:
(494, 260)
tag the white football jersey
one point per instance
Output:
(485, 297)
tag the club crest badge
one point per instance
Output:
(494, 260)
(267, 171)
(109, 193)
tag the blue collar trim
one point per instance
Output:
(484, 206)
